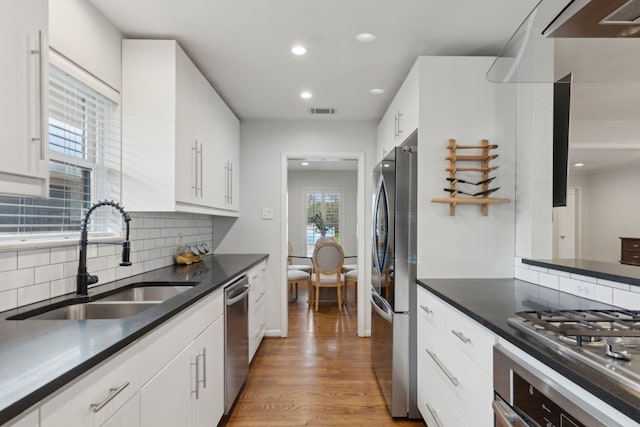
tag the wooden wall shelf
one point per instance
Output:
(483, 181)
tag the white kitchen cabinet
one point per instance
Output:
(189, 391)
(127, 416)
(30, 419)
(455, 367)
(24, 164)
(401, 118)
(97, 395)
(257, 316)
(174, 143)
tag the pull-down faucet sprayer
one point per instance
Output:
(85, 279)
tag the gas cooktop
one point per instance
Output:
(607, 340)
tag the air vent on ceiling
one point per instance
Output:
(314, 110)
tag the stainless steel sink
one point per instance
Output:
(95, 310)
(157, 293)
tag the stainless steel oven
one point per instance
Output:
(526, 396)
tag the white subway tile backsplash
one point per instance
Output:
(47, 273)
(559, 273)
(8, 300)
(548, 280)
(8, 261)
(626, 299)
(14, 279)
(517, 273)
(583, 278)
(604, 294)
(617, 285)
(63, 286)
(539, 269)
(530, 276)
(34, 258)
(64, 254)
(31, 294)
(577, 287)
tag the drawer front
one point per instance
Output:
(630, 257)
(110, 385)
(471, 339)
(632, 245)
(431, 310)
(469, 386)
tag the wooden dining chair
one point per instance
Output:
(291, 266)
(328, 258)
(295, 277)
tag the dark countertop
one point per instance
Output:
(37, 357)
(602, 270)
(491, 302)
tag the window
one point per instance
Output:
(327, 202)
(84, 164)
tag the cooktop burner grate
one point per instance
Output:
(586, 324)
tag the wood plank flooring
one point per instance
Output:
(319, 376)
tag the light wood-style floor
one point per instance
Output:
(319, 376)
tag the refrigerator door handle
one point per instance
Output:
(381, 307)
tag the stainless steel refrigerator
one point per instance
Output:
(393, 279)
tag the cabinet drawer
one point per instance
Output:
(629, 257)
(110, 385)
(632, 245)
(469, 386)
(470, 338)
(431, 310)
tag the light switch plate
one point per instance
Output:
(267, 213)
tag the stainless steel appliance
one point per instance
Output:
(606, 340)
(525, 396)
(236, 339)
(393, 279)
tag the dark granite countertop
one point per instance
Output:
(29, 347)
(602, 270)
(491, 302)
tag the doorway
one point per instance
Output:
(348, 223)
(566, 227)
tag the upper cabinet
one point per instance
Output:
(180, 140)
(24, 164)
(401, 118)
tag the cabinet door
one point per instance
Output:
(386, 134)
(24, 165)
(406, 106)
(165, 399)
(188, 146)
(127, 416)
(208, 404)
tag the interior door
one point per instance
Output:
(566, 227)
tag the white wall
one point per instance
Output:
(346, 181)
(457, 101)
(81, 33)
(262, 143)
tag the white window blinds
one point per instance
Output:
(326, 202)
(84, 165)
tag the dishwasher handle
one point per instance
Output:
(237, 291)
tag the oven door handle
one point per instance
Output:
(505, 416)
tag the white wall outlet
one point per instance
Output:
(267, 213)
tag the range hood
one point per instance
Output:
(597, 41)
(597, 18)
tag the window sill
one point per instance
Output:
(26, 244)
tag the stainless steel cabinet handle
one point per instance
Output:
(461, 336)
(201, 180)
(195, 163)
(395, 126)
(113, 392)
(434, 414)
(41, 128)
(197, 390)
(399, 123)
(444, 369)
(505, 415)
(231, 183)
(204, 367)
(426, 309)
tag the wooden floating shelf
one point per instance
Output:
(483, 182)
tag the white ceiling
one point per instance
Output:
(243, 46)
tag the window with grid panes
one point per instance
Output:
(327, 202)
(84, 164)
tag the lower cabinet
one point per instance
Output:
(173, 376)
(257, 316)
(454, 366)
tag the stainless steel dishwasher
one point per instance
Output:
(236, 339)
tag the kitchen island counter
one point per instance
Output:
(490, 302)
(38, 357)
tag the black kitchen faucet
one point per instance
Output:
(85, 279)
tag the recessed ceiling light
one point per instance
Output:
(365, 37)
(298, 50)
(304, 164)
(578, 165)
(305, 95)
(376, 91)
